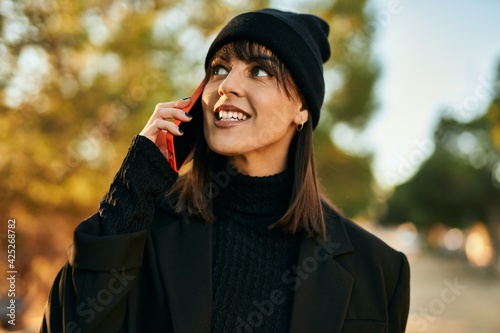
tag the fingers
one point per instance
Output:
(163, 118)
(171, 113)
(158, 125)
(170, 110)
(179, 104)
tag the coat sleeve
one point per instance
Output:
(90, 292)
(400, 302)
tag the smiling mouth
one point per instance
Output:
(230, 116)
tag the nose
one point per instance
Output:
(232, 83)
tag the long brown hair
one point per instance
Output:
(193, 192)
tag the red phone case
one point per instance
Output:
(173, 156)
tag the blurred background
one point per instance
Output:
(408, 144)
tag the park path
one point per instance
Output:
(448, 295)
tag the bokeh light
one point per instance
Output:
(478, 247)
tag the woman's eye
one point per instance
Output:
(219, 70)
(257, 71)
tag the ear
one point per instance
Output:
(301, 117)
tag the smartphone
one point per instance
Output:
(180, 148)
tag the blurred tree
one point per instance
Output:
(460, 183)
(350, 75)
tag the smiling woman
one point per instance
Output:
(243, 241)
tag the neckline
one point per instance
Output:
(253, 195)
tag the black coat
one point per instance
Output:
(159, 280)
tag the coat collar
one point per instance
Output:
(321, 291)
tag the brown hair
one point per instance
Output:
(193, 191)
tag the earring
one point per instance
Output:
(300, 127)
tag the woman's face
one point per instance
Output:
(248, 116)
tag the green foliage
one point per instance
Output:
(347, 179)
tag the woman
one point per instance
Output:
(243, 242)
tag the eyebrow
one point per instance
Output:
(224, 56)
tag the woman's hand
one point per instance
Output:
(161, 122)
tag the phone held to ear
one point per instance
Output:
(180, 148)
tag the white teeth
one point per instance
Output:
(231, 115)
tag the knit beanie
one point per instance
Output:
(300, 41)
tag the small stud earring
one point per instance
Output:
(300, 127)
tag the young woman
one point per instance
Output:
(244, 241)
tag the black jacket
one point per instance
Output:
(155, 275)
(160, 281)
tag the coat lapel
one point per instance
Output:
(323, 288)
(185, 249)
(321, 292)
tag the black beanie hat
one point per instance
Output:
(300, 41)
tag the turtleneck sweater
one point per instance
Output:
(249, 257)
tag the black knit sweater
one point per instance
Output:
(249, 257)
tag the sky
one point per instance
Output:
(433, 54)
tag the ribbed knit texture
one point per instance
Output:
(144, 175)
(249, 259)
